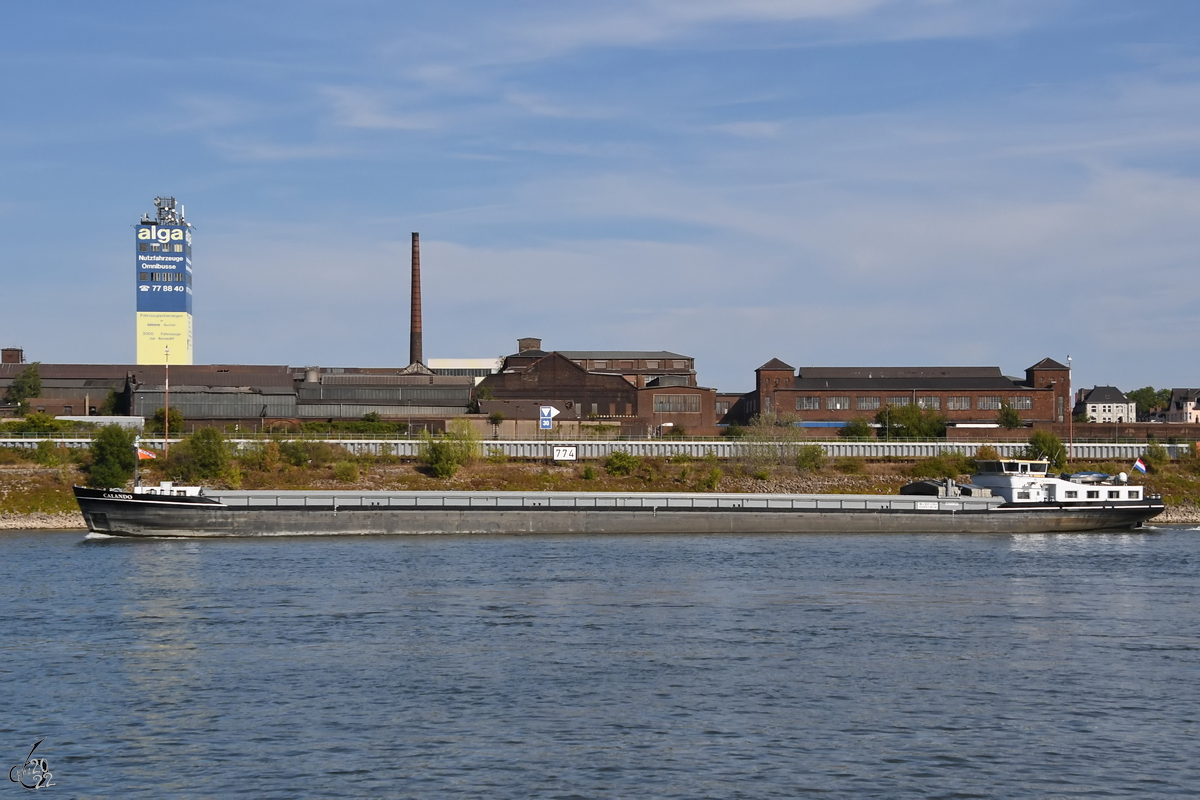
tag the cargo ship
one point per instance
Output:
(1007, 496)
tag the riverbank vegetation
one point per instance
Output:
(40, 479)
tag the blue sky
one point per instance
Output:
(829, 182)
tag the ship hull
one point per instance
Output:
(239, 514)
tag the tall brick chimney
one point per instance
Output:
(415, 356)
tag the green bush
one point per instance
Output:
(202, 456)
(987, 453)
(763, 474)
(1009, 417)
(810, 457)
(711, 480)
(589, 473)
(441, 458)
(622, 463)
(950, 464)
(157, 423)
(856, 429)
(315, 454)
(1156, 456)
(113, 458)
(851, 465)
(48, 454)
(1045, 445)
(345, 472)
(910, 422)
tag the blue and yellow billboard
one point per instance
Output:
(164, 294)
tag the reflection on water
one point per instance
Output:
(673, 666)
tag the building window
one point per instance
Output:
(600, 365)
(930, 402)
(988, 403)
(68, 410)
(651, 365)
(837, 403)
(178, 248)
(143, 276)
(722, 408)
(143, 248)
(595, 409)
(866, 403)
(626, 365)
(1021, 403)
(898, 401)
(808, 404)
(958, 403)
(677, 403)
(680, 365)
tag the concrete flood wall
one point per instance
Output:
(666, 449)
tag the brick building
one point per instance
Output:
(961, 394)
(639, 390)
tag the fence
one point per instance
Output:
(655, 448)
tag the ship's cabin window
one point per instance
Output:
(1026, 467)
(986, 467)
(1023, 495)
(1093, 494)
(1072, 495)
(1113, 494)
(1135, 495)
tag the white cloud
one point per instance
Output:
(360, 108)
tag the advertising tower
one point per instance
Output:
(164, 285)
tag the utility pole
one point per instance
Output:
(167, 402)
(1070, 413)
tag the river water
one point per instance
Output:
(606, 666)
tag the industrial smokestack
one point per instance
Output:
(415, 355)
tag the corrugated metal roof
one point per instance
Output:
(356, 411)
(395, 380)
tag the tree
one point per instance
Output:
(1009, 417)
(113, 458)
(1149, 400)
(27, 385)
(910, 422)
(856, 429)
(443, 457)
(156, 423)
(205, 454)
(495, 418)
(1045, 445)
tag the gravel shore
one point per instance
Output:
(42, 522)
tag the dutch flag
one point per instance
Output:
(1140, 465)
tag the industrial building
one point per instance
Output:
(964, 395)
(640, 391)
(163, 257)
